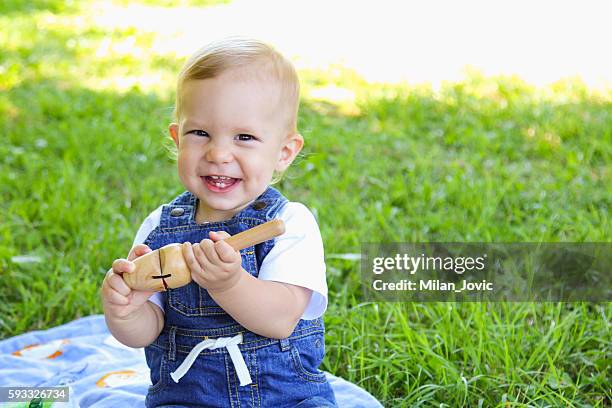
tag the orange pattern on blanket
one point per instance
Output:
(40, 351)
(124, 377)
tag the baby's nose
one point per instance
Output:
(219, 153)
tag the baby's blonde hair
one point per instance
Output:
(219, 56)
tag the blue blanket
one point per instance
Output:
(100, 371)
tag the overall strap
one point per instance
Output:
(179, 211)
(266, 206)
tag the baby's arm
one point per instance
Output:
(268, 308)
(138, 329)
(130, 317)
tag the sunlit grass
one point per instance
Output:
(84, 109)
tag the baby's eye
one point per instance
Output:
(244, 137)
(198, 132)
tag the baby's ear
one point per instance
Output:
(173, 129)
(289, 149)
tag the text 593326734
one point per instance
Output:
(26, 394)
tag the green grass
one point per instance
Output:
(486, 159)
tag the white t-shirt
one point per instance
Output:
(296, 258)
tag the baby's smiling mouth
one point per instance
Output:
(220, 183)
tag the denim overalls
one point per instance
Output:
(282, 373)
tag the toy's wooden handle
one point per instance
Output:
(165, 267)
(256, 235)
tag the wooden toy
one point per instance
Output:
(165, 268)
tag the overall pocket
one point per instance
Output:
(307, 354)
(158, 364)
(193, 300)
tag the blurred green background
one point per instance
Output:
(84, 110)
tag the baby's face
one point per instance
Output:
(231, 137)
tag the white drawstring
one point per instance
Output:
(232, 347)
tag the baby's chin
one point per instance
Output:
(213, 212)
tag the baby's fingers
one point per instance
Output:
(123, 266)
(208, 249)
(218, 235)
(117, 283)
(190, 257)
(138, 251)
(226, 252)
(110, 294)
(117, 298)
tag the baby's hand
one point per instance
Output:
(117, 298)
(214, 264)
